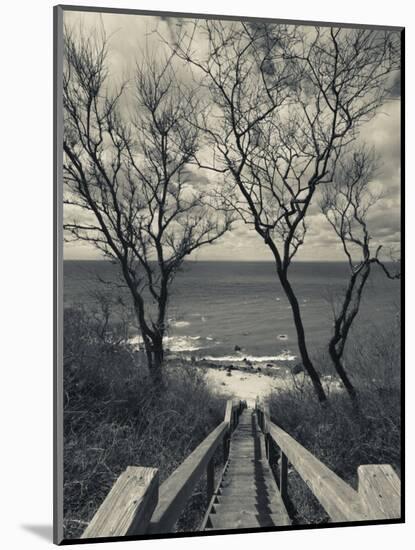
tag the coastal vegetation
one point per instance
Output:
(340, 438)
(113, 417)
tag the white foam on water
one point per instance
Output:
(175, 344)
(135, 340)
(180, 324)
(178, 344)
(284, 356)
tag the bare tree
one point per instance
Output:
(285, 102)
(346, 203)
(128, 178)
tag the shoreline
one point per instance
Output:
(246, 380)
(243, 380)
(270, 368)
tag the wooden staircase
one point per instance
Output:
(247, 495)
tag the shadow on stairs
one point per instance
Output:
(247, 495)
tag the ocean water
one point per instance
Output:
(216, 307)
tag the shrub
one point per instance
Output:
(335, 434)
(114, 419)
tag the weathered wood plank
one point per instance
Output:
(228, 412)
(340, 501)
(380, 491)
(248, 482)
(266, 418)
(213, 500)
(178, 488)
(284, 477)
(276, 508)
(210, 479)
(260, 501)
(128, 507)
(245, 519)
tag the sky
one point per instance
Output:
(130, 34)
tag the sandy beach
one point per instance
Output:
(244, 385)
(259, 380)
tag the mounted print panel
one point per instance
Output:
(228, 267)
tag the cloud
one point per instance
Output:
(131, 34)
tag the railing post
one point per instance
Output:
(267, 444)
(179, 486)
(128, 507)
(228, 413)
(379, 491)
(266, 417)
(283, 476)
(210, 478)
(228, 419)
(226, 447)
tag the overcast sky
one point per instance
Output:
(128, 34)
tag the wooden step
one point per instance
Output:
(246, 454)
(234, 502)
(273, 505)
(257, 469)
(244, 519)
(241, 467)
(261, 481)
(242, 492)
(254, 508)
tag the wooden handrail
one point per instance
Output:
(128, 507)
(380, 491)
(135, 505)
(228, 411)
(176, 490)
(340, 501)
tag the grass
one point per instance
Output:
(335, 434)
(113, 419)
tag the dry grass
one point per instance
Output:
(338, 436)
(113, 419)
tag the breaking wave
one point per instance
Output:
(174, 344)
(179, 324)
(284, 356)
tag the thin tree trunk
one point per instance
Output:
(154, 364)
(342, 326)
(338, 365)
(153, 345)
(307, 363)
(157, 362)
